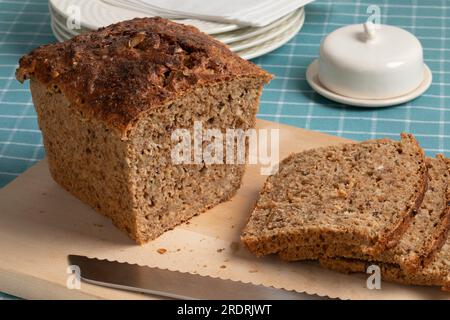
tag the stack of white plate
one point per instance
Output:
(248, 42)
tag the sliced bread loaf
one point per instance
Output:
(354, 195)
(436, 273)
(425, 235)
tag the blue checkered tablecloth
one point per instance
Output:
(288, 99)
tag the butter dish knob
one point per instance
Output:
(369, 30)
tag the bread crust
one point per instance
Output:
(391, 239)
(117, 73)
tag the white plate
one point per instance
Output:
(249, 32)
(63, 28)
(61, 21)
(62, 34)
(272, 44)
(227, 37)
(313, 80)
(259, 13)
(267, 36)
(95, 14)
(57, 34)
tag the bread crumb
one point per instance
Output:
(253, 271)
(341, 193)
(223, 266)
(178, 250)
(161, 250)
(234, 246)
(220, 250)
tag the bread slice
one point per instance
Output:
(108, 102)
(354, 195)
(436, 273)
(427, 231)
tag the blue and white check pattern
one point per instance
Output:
(25, 24)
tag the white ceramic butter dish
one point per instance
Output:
(370, 66)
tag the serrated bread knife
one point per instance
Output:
(173, 284)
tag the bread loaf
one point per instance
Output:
(109, 100)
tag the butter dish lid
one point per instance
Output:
(371, 47)
(371, 62)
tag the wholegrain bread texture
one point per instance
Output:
(425, 235)
(108, 102)
(436, 273)
(352, 196)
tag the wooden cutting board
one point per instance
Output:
(40, 224)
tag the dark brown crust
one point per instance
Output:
(118, 72)
(393, 237)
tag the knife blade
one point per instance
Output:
(173, 284)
